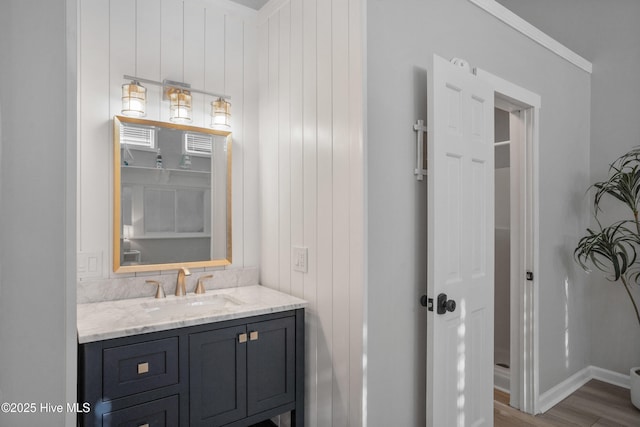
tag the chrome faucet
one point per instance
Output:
(181, 288)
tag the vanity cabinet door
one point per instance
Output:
(217, 376)
(270, 364)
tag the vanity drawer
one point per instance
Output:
(157, 413)
(136, 368)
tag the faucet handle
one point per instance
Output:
(200, 288)
(160, 291)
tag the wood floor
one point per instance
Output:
(594, 404)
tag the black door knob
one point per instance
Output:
(424, 301)
(445, 305)
(450, 305)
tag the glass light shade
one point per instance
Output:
(180, 106)
(134, 99)
(220, 114)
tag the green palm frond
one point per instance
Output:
(623, 184)
(614, 249)
(611, 250)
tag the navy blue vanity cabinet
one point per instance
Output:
(133, 381)
(234, 373)
(246, 372)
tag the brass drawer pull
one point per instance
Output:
(253, 335)
(242, 338)
(143, 368)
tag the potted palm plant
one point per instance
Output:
(613, 249)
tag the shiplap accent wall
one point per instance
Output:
(312, 188)
(211, 44)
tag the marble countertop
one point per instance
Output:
(114, 319)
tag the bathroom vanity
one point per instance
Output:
(231, 357)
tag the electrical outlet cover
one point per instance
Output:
(300, 259)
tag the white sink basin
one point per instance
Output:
(191, 305)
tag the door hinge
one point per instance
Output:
(530, 275)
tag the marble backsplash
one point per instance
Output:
(126, 287)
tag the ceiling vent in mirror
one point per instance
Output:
(198, 144)
(139, 136)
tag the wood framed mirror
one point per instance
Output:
(171, 196)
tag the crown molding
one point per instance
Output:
(519, 24)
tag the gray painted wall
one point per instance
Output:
(401, 38)
(500, 125)
(37, 209)
(607, 34)
(502, 267)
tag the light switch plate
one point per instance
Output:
(89, 264)
(300, 259)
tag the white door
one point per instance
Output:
(460, 249)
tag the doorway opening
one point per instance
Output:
(502, 258)
(523, 109)
(516, 243)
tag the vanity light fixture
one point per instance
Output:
(134, 99)
(179, 96)
(220, 114)
(180, 105)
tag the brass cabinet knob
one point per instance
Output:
(143, 368)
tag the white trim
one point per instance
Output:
(519, 24)
(502, 379)
(525, 369)
(513, 93)
(610, 377)
(71, 169)
(561, 391)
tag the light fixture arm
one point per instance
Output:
(168, 84)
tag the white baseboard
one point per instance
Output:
(556, 394)
(502, 379)
(610, 377)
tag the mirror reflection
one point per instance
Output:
(172, 196)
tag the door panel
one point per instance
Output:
(217, 379)
(271, 364)
(460, 248)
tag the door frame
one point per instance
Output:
(524, 314)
